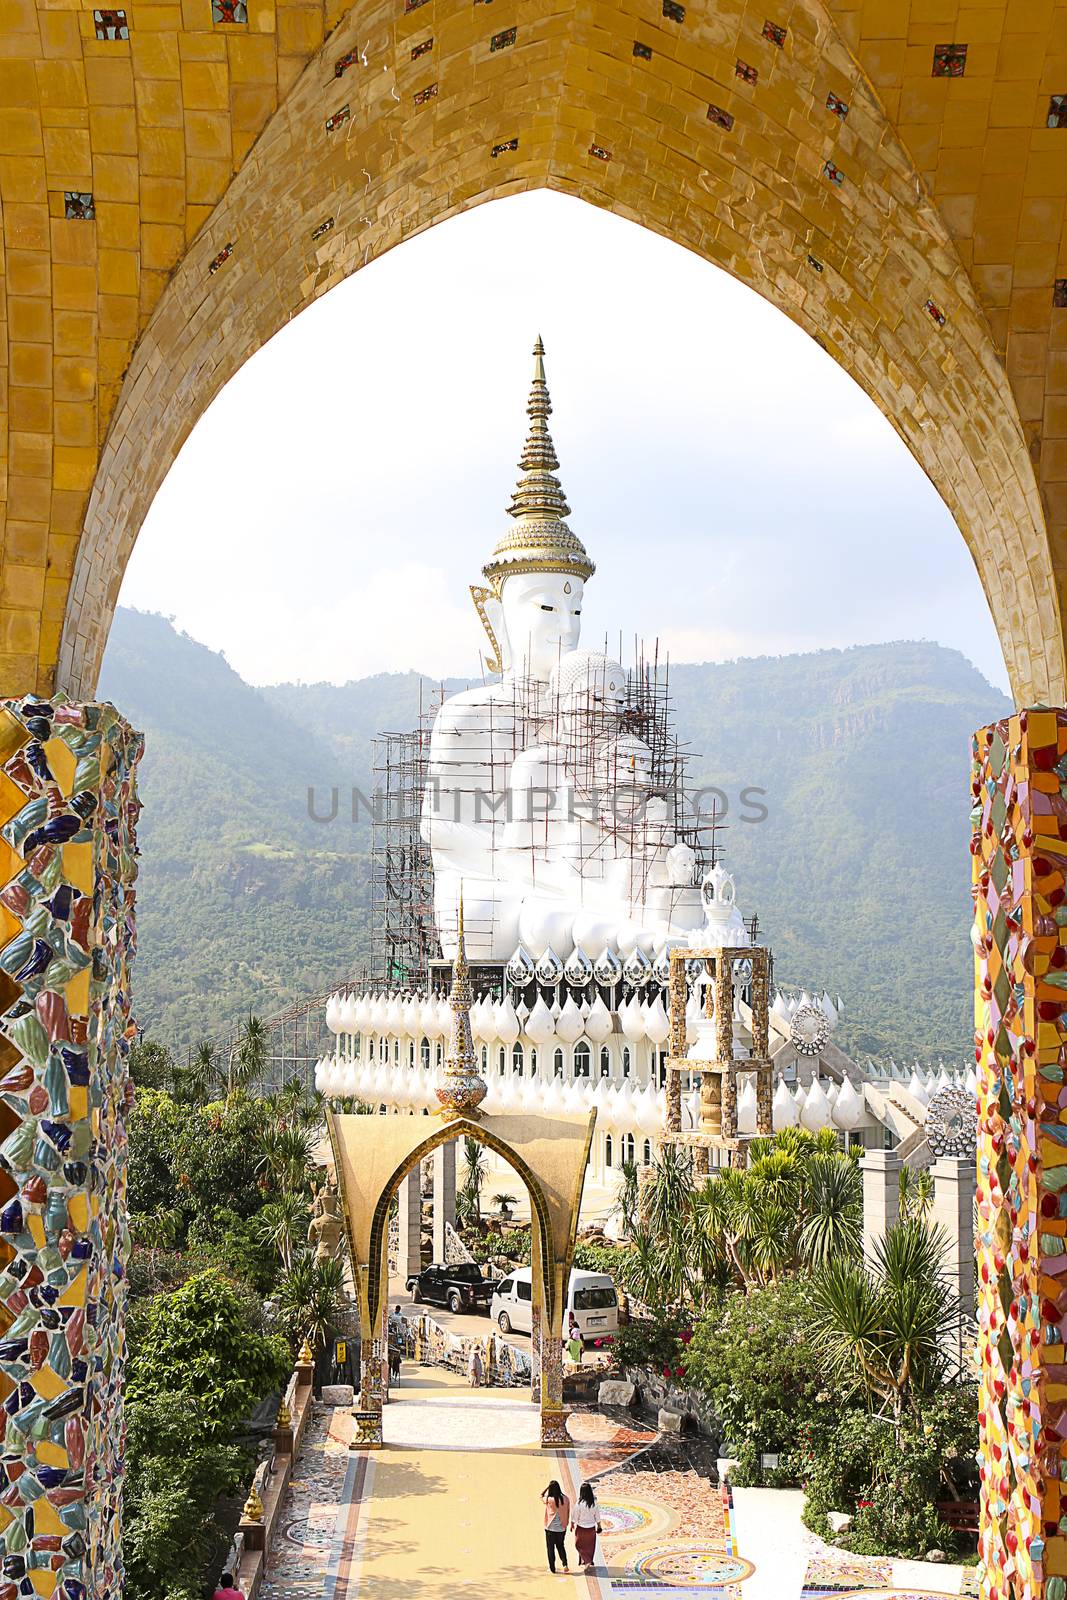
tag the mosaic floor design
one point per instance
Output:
(832, 1574)
(300, 1557)
(668, 1527)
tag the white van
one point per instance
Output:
(591, 1297)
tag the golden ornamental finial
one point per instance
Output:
(460, 968)
(253, 1506)
(540, 540)
(463, 1088)
(305, 1356)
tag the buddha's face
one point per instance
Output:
(542, 615)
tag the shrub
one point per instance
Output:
(660, 1342)
(758, 1367)
(889, 1479)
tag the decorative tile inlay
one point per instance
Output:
(413, 5)
(224, 255)
(721, 118)
(69, 815)
(422, 95)
(600, 153)
(501, 40)
(936, 312)
(815, 264)
(339, 118)
(422, 49)
(1059, 293)
(746, 73)
(78, 206)
(838, 106)
(673, 11)
(342, 64)
(229, 11)
(834, 173)
(774, 33)
(502, 149)
(111, 25)
(643, 52)
(950, 60)
(1057, 111)
(323, 229)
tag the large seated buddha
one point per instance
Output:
(539, 802)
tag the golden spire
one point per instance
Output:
(463, 1088)
(540, 540)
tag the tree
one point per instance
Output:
(248, 1058)
(626, 1199)
(197, 1080)
(151, 1065)
(886, 1330)
(916, 1193)
(308, 1298)
(475, 1172)
(285, 1224)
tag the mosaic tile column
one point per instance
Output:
(68, 816)
(1019, 848)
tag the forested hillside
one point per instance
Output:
(859, 870)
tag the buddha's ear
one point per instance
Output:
(491, 612)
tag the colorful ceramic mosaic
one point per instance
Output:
(1059, 293)
(69, 803)
(773, 32)
(673, 11)
(838, 106)
(643, 52)
(78, 206)
(111, 25)
(1057, 111)
(721, 118)
(1019, 849)
(950, 60)
(746, 73)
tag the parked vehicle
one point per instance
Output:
(590, 1295)
(460, 1287)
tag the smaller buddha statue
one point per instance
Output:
(327, 1224)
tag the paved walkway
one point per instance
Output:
(451, 1506)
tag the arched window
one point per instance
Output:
(516, 1058)
(607, 1150)
(383, 1045)
(582, 1059)
(502, 1063)
(557, 1062)
(647, 1153)
(411, 1053)
(485, 1059)
(424, 1055)
(358, 1051)
(628, 1148)
(440, 1049)
(396, 1052)
(533, 1061)
(605, 1061)
(626, 1060)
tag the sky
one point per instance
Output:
(739, 493)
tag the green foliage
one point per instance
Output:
(890, 1479)
(614, 1259)
(661, 1342)
(308, 1298)
(199, 1364)
(151, 1065)
(758, 1366)
(885, 1331)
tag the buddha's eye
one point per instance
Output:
(577, 611)
(548, 608)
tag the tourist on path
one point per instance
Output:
(227, 1589)
(475, 1367)
(574, 1340)
(395, 1355)
(557, 1512)
(586, 1525)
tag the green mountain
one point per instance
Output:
(859, 867)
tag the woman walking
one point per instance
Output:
(475, 1367)
(586, 1525)
(557, 1511)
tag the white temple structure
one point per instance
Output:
(552, 797)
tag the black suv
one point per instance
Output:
(460, 1287)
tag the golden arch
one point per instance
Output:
(237, 175)
(372, 1156)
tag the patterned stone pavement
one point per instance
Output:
(451, 1505)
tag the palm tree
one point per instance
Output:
(249, 1055)
(916, 1192)
(199, 1077)
(308, 1298)
(475, 1172)
(285, 1224)
(887, 1328)
(834, 1211)
(626, 1199)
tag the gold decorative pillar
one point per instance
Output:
(536, 1313)
(676, 989)
(1019, 851)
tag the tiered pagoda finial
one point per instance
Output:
(540, 540)
(463, 1088)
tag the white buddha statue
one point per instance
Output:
(598, 863)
